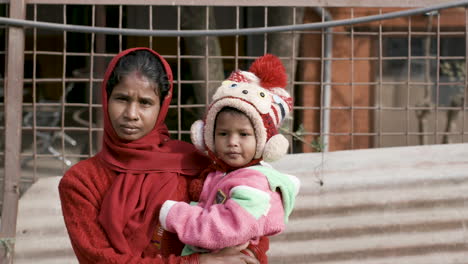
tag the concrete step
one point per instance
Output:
(41, 235)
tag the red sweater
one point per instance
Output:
(82, 190)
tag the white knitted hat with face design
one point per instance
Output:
(260, 94)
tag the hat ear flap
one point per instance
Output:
(196, 135)
(275, 148)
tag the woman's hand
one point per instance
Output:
(230, 255)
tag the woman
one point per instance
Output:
(111, 201)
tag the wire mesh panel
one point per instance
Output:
(64, 69)
(392, 82)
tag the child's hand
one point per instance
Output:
(230, 255)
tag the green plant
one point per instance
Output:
(7, 243)
(455, 70)
(316, 144)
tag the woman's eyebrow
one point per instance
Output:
(150, 98)
(120, 93)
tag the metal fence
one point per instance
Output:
(364, 74)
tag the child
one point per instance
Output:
(243, 198)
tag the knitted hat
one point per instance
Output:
(260, 94)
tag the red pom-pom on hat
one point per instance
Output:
(270, 71)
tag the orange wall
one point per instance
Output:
(352, 64)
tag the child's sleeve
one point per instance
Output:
(238, 219)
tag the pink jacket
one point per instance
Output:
(234, 208)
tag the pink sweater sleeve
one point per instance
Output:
(248, 213)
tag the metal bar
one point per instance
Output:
(64, 91)
(265, 35)
(306, 3)
(427, 98)
(34, 102)
(376, 83)
(236, 53)
(98, 66)
(91, 92)
(56, 104)
(57, 128)
(394, 108)
(379, 86)
(325, 98)
(150, 21)
(326, 79)
(436, 106)
(345, 134)
(207, 56)
(388, 133)
(366, 108)
(13, 118)
(297, 107)
(352, 79)
(463, 115)
(120, 26)
(228, 32)
(179, 77)
(292, 73)
(397, 33)
(408, 80)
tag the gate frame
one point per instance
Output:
(13, 125)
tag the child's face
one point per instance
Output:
(235, 141)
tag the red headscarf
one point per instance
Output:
(147, 173)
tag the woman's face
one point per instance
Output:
(133, 107)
